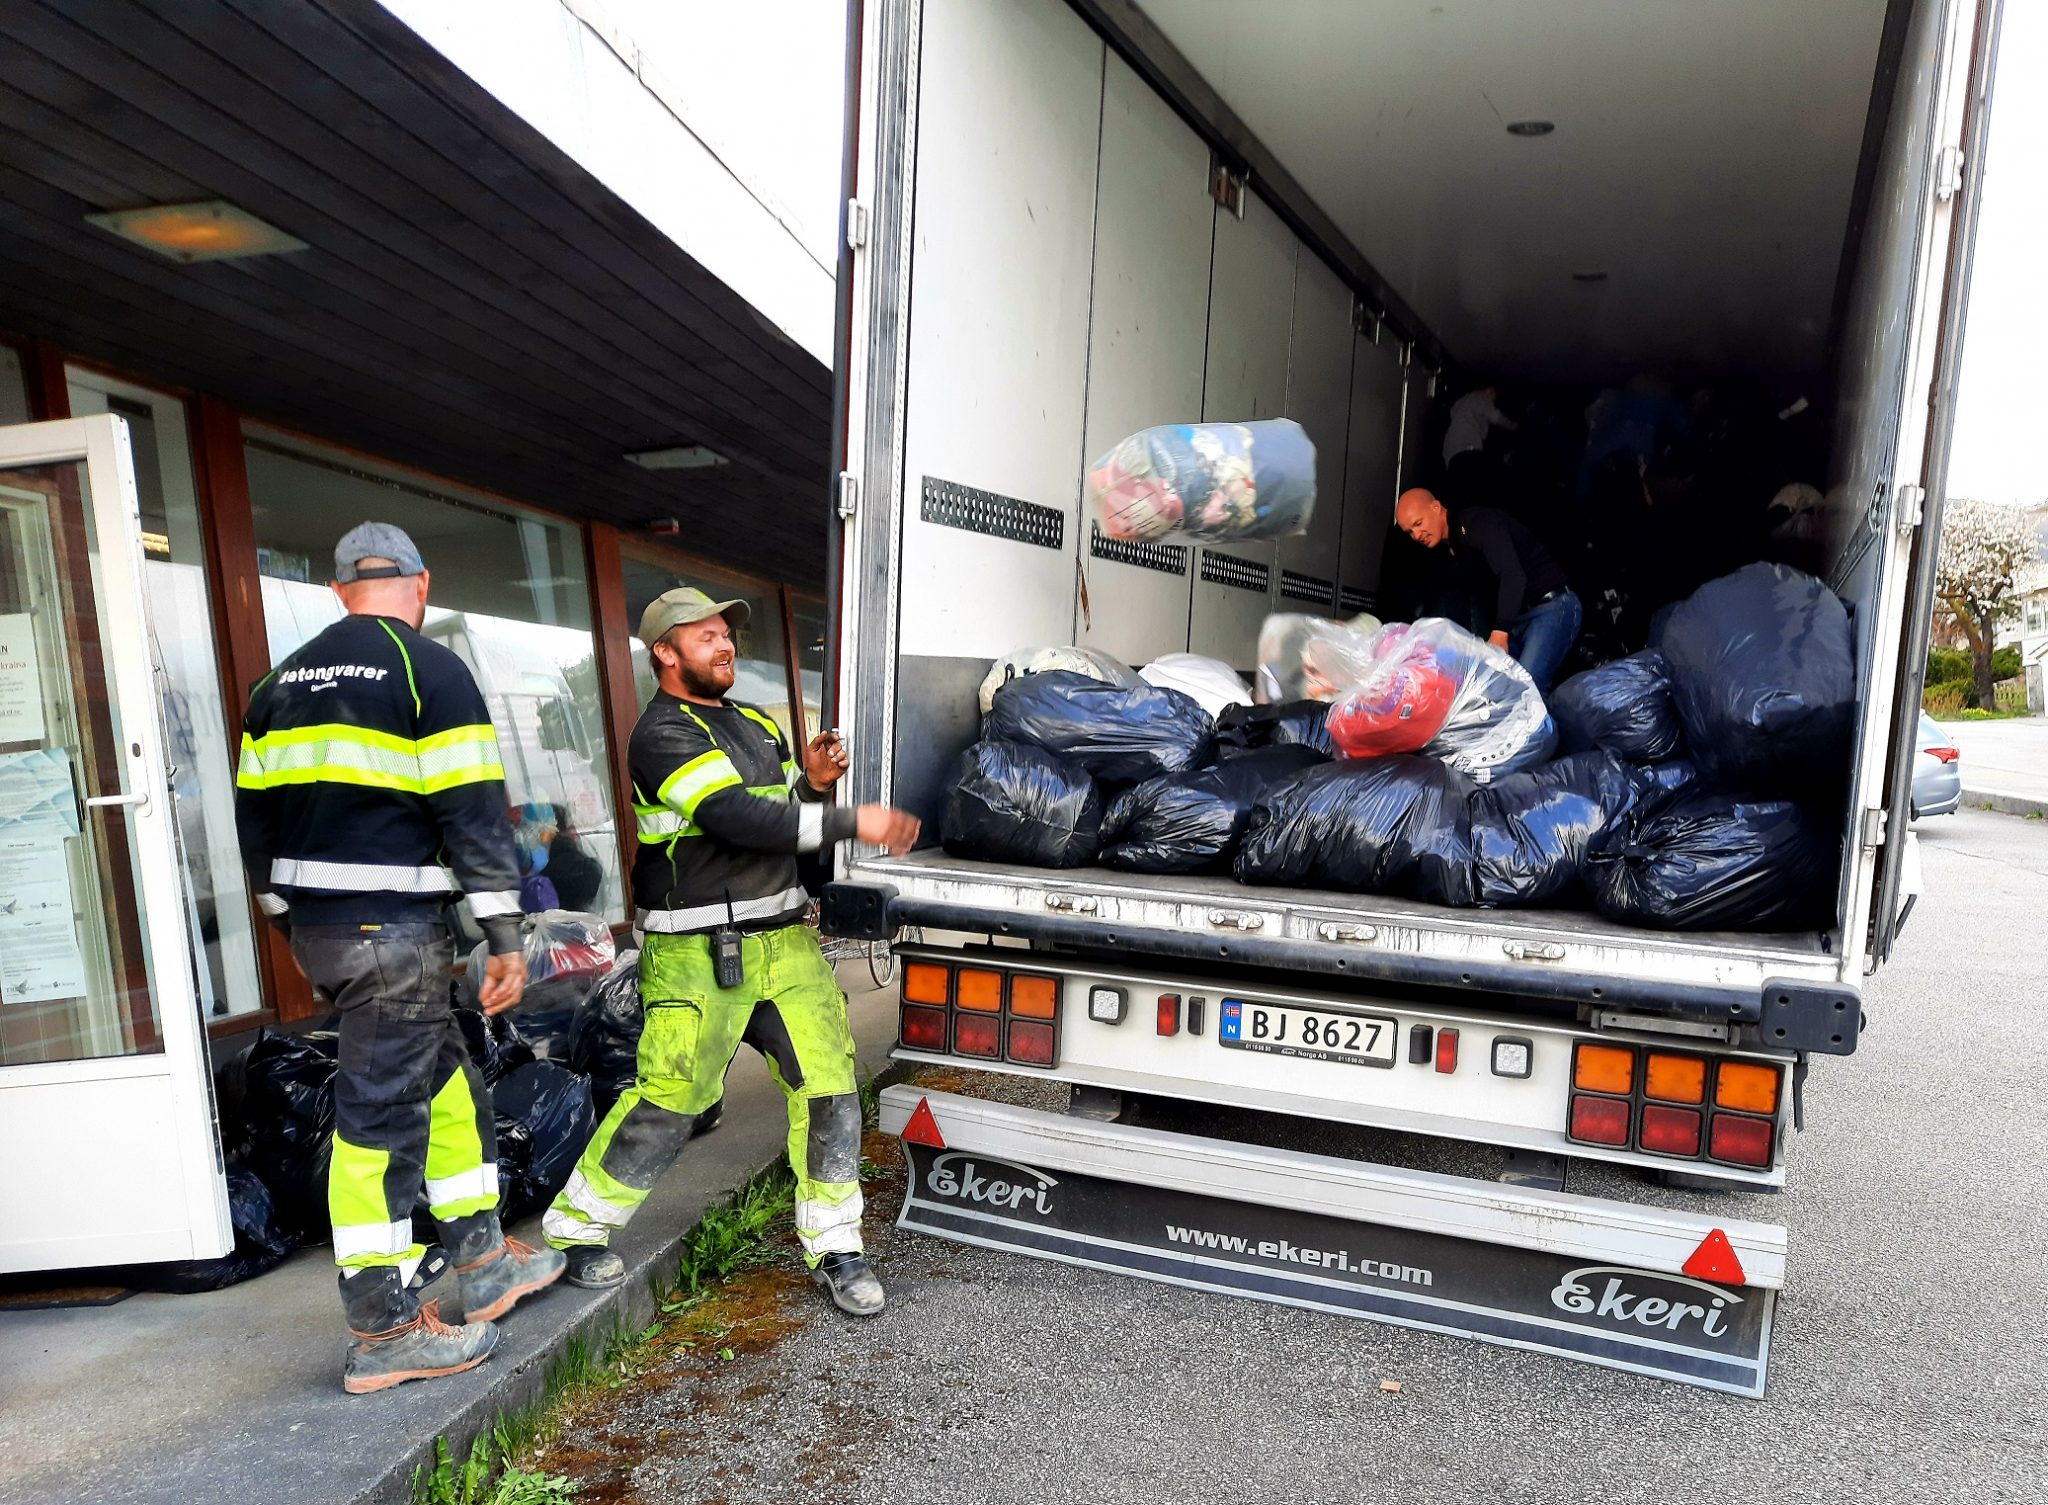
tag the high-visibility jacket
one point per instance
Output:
(370, 788)
(722, 812)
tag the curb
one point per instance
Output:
(630, 1306)
(2006, 804)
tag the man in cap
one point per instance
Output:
(1536, 614)
(369, 798)
(722, 813)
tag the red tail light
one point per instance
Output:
(978, 1035)
(1743, 1141)
(1447, 1051)
(1670, 1131)
(1600, 1120)
(1945, 754)
(924, 1029)
(1032, 1043)
(1169, 1013)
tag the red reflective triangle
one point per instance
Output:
(924, 1129)
(1715, 1260)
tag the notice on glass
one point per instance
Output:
(39, 955)
(36, 797)
(21, 681)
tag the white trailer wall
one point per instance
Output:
(1074, 281)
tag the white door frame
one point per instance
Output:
(84, 1226)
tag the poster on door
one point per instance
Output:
(39, 956)
(21, 680)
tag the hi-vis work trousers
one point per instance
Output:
(410, 1111)
(790, 1009)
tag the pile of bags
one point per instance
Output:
(1695, 785)
(555, 1063)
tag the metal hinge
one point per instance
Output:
(1909, 505)
(1338, 930)
(1948, 173)
(1874, 821)
(1365, 321)
(849, 493)
(856, 224)
(1236, 919)
(1523, 951)
(1072, 903)
(1226, 186)
(1407, 354)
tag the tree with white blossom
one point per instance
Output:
(1984, 549)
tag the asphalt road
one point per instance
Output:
(1909, 1363)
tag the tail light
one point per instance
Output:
(1169, 1014)
(980, 1012)
(1944, 754)
(1666, 1102)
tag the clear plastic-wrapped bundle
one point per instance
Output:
(1008, 802)
(1434, 688)
(1120, 736)
(1310, 658)
(1191, 822)
(1396, 825)
(1067, 658)
(1206, 483)
(1209, 682)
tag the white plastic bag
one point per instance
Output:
(1210, 682)
(1089, 661)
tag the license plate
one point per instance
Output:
(1312, 1034)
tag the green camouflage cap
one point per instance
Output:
(684, 605)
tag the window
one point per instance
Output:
(761, 674)
(809, 615)
(510, 596)
(195, 722)
(13, 388)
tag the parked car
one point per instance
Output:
(1937, 772)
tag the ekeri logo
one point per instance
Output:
(1584, 1293)
(964, 1175)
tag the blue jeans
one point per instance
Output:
(1540, 637)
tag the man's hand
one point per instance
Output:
(504, 981)
(883, 826)
(1498, 639)
(824, 760)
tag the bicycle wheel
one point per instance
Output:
(881, 963)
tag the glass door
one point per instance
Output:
(108, 1151)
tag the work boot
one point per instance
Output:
(852, 1284)
(493, 1285)
(593, 1266)
(422, 1349)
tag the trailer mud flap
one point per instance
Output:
(1648, 1322)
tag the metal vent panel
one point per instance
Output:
(1310, 588)
(1164, 558)
(1239, 574)
(1351, 600)
(951, 505)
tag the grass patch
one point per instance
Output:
(737, 1234)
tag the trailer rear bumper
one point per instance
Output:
(1605, 1282)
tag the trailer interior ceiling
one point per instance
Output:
(1702, 159)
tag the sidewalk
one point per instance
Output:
(236, 1394)
(2005, 763)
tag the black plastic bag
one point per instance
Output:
(1531, 830)
(1008, 802)
(1764, 676)
(262, 1243)
(288, 1111)
(494, 1042)
(1191, 822)
(1297, 723)
(544, 1119)
(1658, 784)
(1392, 825)
(1119, 735)
(604, 1042)
(1624, 707)
(1712, 862)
